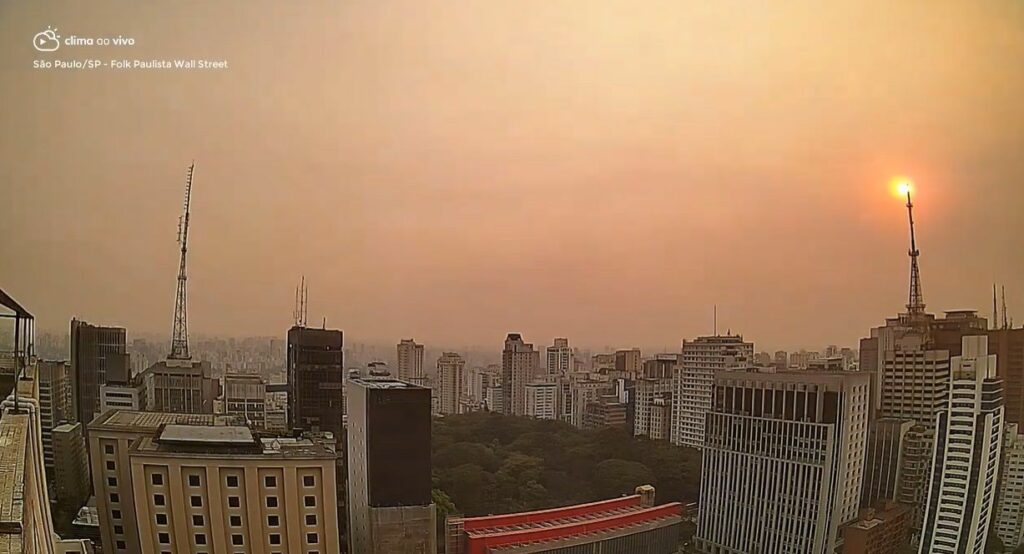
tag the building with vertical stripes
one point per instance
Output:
(784, 460)
(691, 397)
(966, 454)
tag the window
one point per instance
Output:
(197, 501)
(197, 521)
(111, 466)
(236, 540)
(275, 538)
(158, 499)
(164, 538)
(111, 481)
(270, 481)
(114, 498)
(310, 501)
(311, 519)
(118, 529)
(233, 501)
(271, 501)
(312, 538)
(200, 538)
(193, 480)
(273, 521)
(158, 479)
(108, 448)
(116, 514)
(161, 519)
(232, 480)
(308, 480)
(120, 545)
(236, 521)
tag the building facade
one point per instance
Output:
(560, 358)
(410, 362)
(695, 381)
(784, 460)
(316, 376)
(181, 387)
(246, 396)
(652, 396)
(1008, 520)
(71, 467)
(450, 376)
(542, 400)
(519, 363)
(95, 350)
(390, 508)
(966, 455)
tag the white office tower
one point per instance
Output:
(649, 410)
(542, 400)
(1009, 515)
(560, 359)
(783, 461)
(519, 363)
(691, 398)
(969, 431)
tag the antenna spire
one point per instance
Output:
(179, 337)
(1006, 323)
(299, 314)
(915, 303)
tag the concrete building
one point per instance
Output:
(494, 398)
(651, 397)
(583, 393)
(111, 437)
(542, 400)
(181, 387)
(95, 350)
(123, 396)
(606, 411)
(519, 363)
(199, 488)
(410, 362)
(632, 524)
(246, 396)
(628, 363)
(1008, 520)
(883, 530)
(316, 376)
(71, 468)
(886, 461)
(969, 435)
(26, 524)
(661, 366)
(695, 380)
(560, 358)
(1008, 346)
(602, 363)
(55, 404)
(390, 508)
(783, 460)
(450, 376)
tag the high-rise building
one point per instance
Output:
(71, 468)
(1008, 346)
(583, 392)
(202, 488)
(780, 360)
(695, 380)
(628, 363)
(652, 395)
(390, 508)
(542, 400)
(519, 363)
(123, 396)
(602, 363)
(246, 396)
(607, 411)
(783, 460)
(969, 434)
(560, 358)
(410, 362)
(180, 386)
(55, 406)
(886, 460)
(450, 375)
(1008, 520)
(316, 399)
(111, 437)
(95, 350)
(661, 366)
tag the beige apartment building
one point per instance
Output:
(202, 484)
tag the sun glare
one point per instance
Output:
(901, 186)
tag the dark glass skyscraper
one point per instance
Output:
(315, 376)
(95, 351)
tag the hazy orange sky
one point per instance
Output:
(454, 170)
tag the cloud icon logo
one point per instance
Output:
(46, 41)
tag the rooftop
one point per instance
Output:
(222, 435)
(129, 420)
(383, 383)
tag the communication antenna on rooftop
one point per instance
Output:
(915, 303)
(1006, 323)
(301, 303)
(179, 336)
(995, 309)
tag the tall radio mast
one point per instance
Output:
(179, 340)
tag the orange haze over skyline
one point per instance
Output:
(455, 170)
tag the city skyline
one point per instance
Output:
(603, 181)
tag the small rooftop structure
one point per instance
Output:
(208, 435)
(384, 383)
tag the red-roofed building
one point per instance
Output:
(628, 524)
